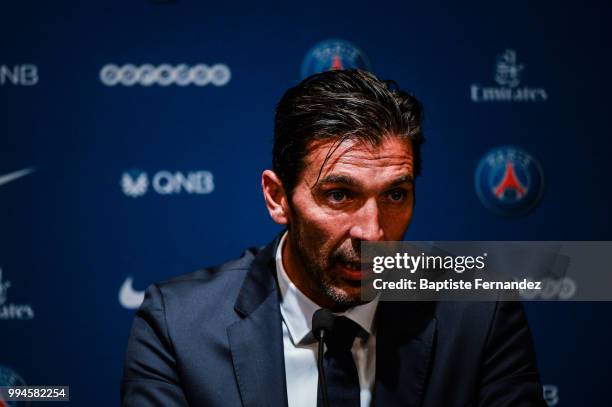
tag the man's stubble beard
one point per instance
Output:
(317, 271)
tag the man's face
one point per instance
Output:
(364, 193)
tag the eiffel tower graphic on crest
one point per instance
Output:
(336, 63)
(510, 182)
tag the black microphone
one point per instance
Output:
(322, 325)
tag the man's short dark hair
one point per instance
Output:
(340, 105)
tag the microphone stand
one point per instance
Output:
(322, 324)
(322, 381)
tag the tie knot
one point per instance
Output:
(343, 334)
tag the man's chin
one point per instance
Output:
(346, 295)
(348, 285)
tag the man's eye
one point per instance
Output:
(337, 196)
(397, 195)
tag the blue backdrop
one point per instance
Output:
(115, 166)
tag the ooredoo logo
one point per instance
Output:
(509, 181)
(563, 288)
(165, 75)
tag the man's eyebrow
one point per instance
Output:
(346, 180)
(402, 180)
(338, 179)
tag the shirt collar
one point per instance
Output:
(297, 309)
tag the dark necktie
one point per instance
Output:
(340, 369)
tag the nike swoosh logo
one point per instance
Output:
(12, 176)
(128, 297)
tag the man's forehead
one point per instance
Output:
(392, 153)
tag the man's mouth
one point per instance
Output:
(351, 270)
(351, 265)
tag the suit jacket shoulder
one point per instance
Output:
(179, 340)
(198, 298)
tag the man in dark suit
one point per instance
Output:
(346, 154)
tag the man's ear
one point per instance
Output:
(275, 197)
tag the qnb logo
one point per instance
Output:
(19, 75)
(552, 289)
(551, 394)
(165, 75)
(135, 183)
(12, 311)
(508, 76)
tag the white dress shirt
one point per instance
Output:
(301, 348)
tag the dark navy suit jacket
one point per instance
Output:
(214, 338)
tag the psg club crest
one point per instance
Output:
(9, 377)
(509, 181)
(334, 54)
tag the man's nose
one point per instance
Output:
(367, 224)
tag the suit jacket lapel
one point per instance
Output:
(256, 341)
(404, 340)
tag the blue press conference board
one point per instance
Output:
(190, 156)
